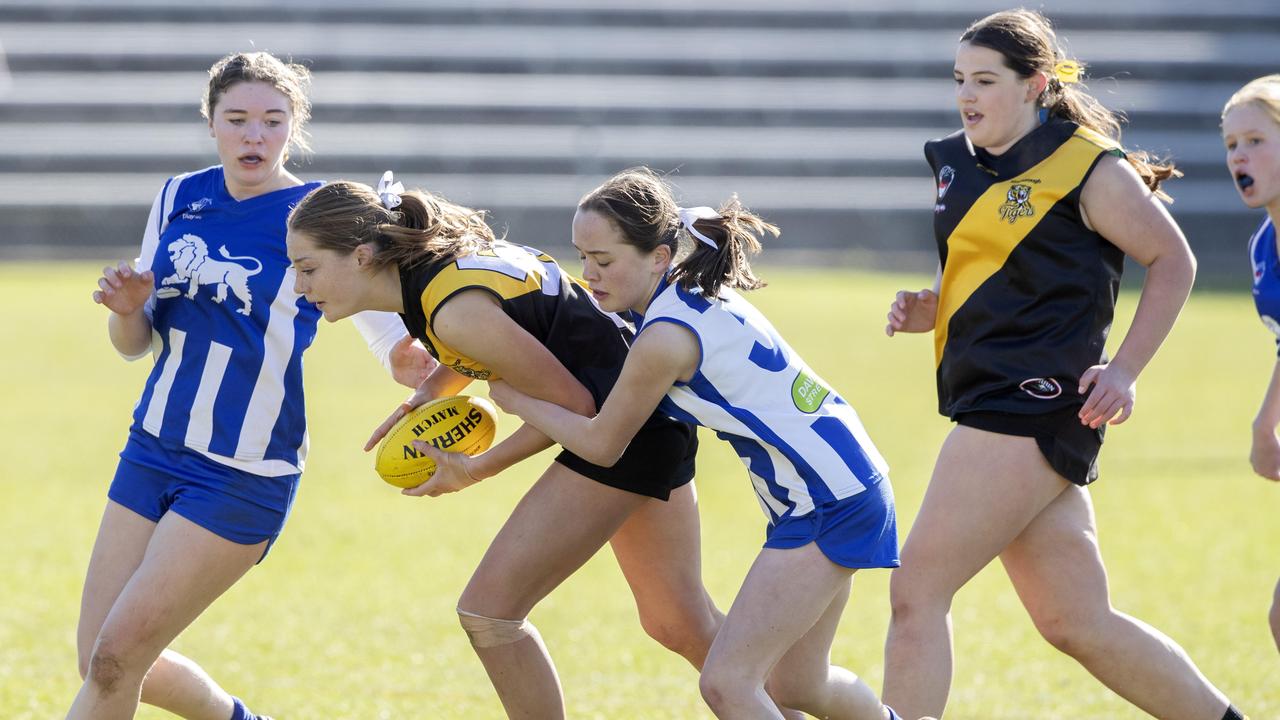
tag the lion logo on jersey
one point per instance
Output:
(193, 266)
(1017, 203)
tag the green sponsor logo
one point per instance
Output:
(808, 392)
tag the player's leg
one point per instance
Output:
(787, 595)
(558, 525)
(1056, 567)
(659, 550)
(986, 487)
(1275, 615)
(805, 678)
(184, 569)
(175, 682)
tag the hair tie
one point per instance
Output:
(1068, 71)
(389, 191)
(689, 215)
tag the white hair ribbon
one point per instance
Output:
(389, 190)
(688, 215)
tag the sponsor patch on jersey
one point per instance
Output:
(808, 392)
(194, 208)
(1041, 388)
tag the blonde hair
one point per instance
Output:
(343, 215)
(1027, 42)
(641, 205)
(1264, 92)
(291, 80)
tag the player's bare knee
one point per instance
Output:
(105, 670)
(687, 636)
(720, 683)
(487, 632)
(1073, 634)
(911, 597)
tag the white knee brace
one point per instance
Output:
(492, 632)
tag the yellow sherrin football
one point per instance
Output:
(454, 424)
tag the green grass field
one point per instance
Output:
(351, 616)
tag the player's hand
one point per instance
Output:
(505, 397)
(912, 312)
(410, 362)
(451, 475)
(1112, 397)
(401, 410)
(1264, 455)
(123, 290)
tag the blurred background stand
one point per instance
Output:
(813, 111)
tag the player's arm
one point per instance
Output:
(661, 355)
(474, 324)
(1264, 453)
(1119, 206)
(404, 357)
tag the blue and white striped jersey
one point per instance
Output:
(228, 329)
(801, 442)
(1266, 276)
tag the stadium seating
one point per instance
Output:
(814, 111)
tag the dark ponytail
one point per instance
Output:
(641, 205)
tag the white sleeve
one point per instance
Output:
(382, 330)
(147, 255)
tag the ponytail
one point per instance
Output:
(736, 233)
(343, 215)
(1070, 101)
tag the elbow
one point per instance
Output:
(605, 455)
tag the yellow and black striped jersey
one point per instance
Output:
(1028, 291)
(537, 294)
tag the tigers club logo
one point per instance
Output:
(1041, 388)
(1017, 203)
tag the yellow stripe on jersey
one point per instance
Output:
(1002, 217)
(505, 271)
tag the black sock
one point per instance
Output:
(1234, 714)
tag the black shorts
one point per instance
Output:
(1071, 448)
(659, 459)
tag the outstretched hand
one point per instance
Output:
(1112, 397)
(451, 475)
(123, 290)
(912, 312)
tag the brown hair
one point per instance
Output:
(1026, 40)
(292, 80)
(342, 215)
(641, 205)
(1263, 92)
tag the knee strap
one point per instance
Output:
(492, 632)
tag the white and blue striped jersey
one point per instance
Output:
(228, 329)
(1266, 276)
(803, 445)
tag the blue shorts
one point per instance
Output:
(860, 531)
(153, 479)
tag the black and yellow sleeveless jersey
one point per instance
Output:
(533, 290)
(1028, 291)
